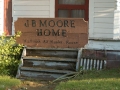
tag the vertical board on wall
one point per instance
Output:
(118, 8)
(1, 16)
(8, 17)
(91, 18)
(52, 8)
(103, 23)
(32, 9)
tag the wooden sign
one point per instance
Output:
(52, 32)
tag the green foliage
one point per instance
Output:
(9, 54)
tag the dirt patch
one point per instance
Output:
(35, 85)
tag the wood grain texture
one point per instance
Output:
(52, 32)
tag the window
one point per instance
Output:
(72, 8)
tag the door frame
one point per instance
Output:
(7, 17)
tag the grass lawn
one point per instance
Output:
(8, 82)
(93, 80)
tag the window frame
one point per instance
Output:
(69, 7)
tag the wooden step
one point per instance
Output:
(45, 70)
(57, 59)
(47, 63)
(54, 49)
(41, 73)
(50, 62)
(71, 53)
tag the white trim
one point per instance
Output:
(52, 8)
(2, 24)
(91, 18)
(13, 32)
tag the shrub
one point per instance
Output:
(9, 54)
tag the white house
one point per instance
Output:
(103, 17)
(1, 15)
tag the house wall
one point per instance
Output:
(104, 25)
(103, 15)
(118, 8)
(33, 9)
(1, 16)
(104, 22)
(104, 19)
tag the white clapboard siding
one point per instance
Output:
(32, 9)
(31, 13)
(104, 14)
(31, 2)
(105, 4)
(102, 1)
(105, 35)
(118, 8)
(103, 25)
(104, 19)
(103, 9)
(28, 8)
(1, 17)
(116, 24)
(33, 16)
(100, 30)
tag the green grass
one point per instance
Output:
(8, 82)
(93, 80)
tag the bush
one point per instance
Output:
(9, 55)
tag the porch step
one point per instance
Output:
(44, 70)
(47, 63)
(57, 59)
(41, 73)
(50, 62)
(52, 52)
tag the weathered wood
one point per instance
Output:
(21, 64)
(52, 32)
(101, 54)
(78, 59)
(54, 49)
(57, 59)
(39, 75)
(45, 70)
(52, 53)
(51, 64)
(37, 64)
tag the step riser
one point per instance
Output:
(40, 75)
(50, 65)
(66, 54)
